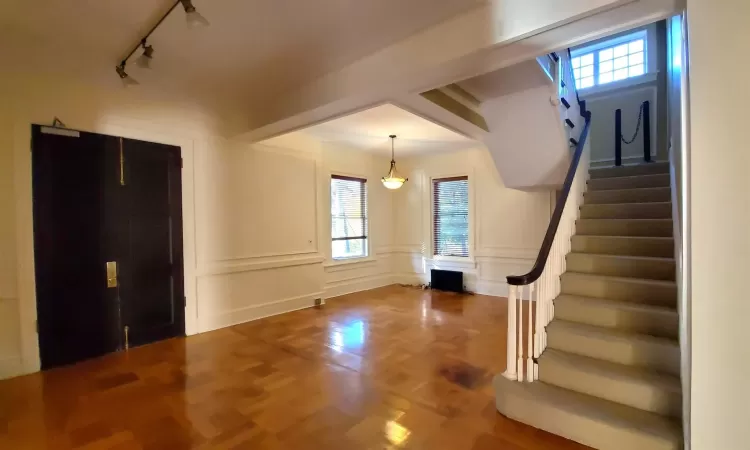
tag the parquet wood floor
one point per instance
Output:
(390, 368)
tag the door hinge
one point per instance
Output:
(181, 163)
(184, 301)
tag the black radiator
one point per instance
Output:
(447, 280)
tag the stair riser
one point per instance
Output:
(660, 248)
(624, 227)
(660, 324)
(576, 427)
(629, 171)
(651, 355)
(621, 267)
(652, 294)
(636, 393)
(643, 181)
(628, 196)
(627, 211)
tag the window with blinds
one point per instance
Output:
(348, 217)
(450, 216)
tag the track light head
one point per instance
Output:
(188, 5)
(121, 71)
(192, 16)
(144, 61)
(126, 79)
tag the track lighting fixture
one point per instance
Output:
(193, 19)
(126, 79)
(144, 60)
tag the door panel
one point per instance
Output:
(78, 316)
(98, 199)
(152, 268)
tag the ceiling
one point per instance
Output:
(253, 51)
(369, 130)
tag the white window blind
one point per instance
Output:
(450, 218)
(348, 217)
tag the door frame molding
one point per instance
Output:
(22, 184)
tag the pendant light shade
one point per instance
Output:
(393, 180)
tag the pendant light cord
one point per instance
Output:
(393, 154)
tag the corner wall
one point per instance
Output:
(719, 210)
(343, 277)
(506, 225)
(254, 216)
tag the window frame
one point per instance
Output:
(649, 62)
(470, 219)
(366, 238)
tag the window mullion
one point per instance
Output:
(596, 68)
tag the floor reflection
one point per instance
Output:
(396, 433)
(391, 368)
(349, 337)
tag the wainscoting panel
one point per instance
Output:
(234, 297)
(10, 339)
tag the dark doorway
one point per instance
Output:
(107, 243)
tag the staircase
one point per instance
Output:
(609, 376)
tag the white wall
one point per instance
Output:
(506, 225)
(602, 131)
(342, 277)
(719, 182)
(255, 217)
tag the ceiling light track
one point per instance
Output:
(193, 18)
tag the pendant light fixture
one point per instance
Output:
(393, 180)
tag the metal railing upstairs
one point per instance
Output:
(531, 295)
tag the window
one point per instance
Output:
(450, 219)
(348, 217)
(610, 61)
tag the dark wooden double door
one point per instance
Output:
(107, 243)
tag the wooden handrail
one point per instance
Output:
(549, 237)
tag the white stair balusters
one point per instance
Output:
(537, 297)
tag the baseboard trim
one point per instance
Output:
(484, 287)
(352, 285)
(414, 279)
(255, 312)
(11, 367)
(491, 288)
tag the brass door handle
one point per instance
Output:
(111, 274)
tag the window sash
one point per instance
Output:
(623, 58)
(348, 217)
(450, 221)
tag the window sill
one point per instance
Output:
(603, 89)
(453, 262)
(349, 261)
